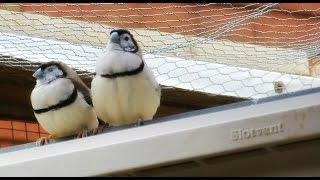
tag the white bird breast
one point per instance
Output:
(124, 100)
(117, 61)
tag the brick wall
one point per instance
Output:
(294, 24)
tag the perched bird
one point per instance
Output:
(62, 102)
(124, 89)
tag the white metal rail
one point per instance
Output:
(209, 132)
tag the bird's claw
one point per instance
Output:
(89, 132)
(139, 122)
(42, 141)
(84, 133)
(100, 128)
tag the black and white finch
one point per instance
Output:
(62, 102)
(124, 89)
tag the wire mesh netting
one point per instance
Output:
(247, 50)
(13, 132)
(235, 49)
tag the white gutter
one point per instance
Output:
(208, 132)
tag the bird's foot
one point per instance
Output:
(43, 140)
(100, 128)
(89, 132)
(139, 122)
(102, 125)
(85, 132)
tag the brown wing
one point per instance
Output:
(78, 83)
(85, 91)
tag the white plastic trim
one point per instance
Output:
(211, 133)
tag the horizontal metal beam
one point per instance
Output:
(210, 132)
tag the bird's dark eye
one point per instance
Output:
(50, 69)
(126, 38)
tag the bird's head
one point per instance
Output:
(124, 40)
(49, 72)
